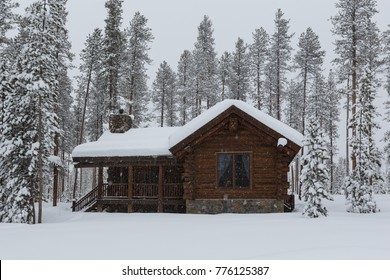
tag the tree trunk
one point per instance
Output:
(347, 134)
(55, 172)
(40, 160)
(354, 83)
(278, 115)
(331, 153)
(304, 100)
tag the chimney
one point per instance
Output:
(120, 123)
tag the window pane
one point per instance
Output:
(241, 170)
(225, 172)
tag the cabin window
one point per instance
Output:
(233, 170)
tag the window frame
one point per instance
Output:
(234, 154)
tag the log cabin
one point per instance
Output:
(232, 158)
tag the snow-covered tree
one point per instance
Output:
(294, 105)
(113, 51)
(205, 87)
(185, 81)
(386, 53)
(308, 61)
(62, 88)
(280, 55)
(258, 53)
(365, 177)
(332, 110)
(317, 101)
(339, 176)
(350, 25)
(135, 88)
(269, 88)
(30, 121)
(386, 48)
(91, 90)
(314, 175)
(164, 95)
(240, 75)
(7, 21)
(224, 74)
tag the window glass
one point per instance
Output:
(225, 172)
(242, 173)
(234, 170)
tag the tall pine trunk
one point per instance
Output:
(55, 172)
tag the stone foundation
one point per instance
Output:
(216, 206)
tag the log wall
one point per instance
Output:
(269, 166)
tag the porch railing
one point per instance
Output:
(174, 190)
(120, 191)
(145, 191)
(114, 190)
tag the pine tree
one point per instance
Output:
(113, 50)
(31, 122)
(339, 176)
(332, 110)
(224, 74)
(270, 88)
(205, 67)
(359, 186)
(294, 105)
(91, 69)
(308, 60)
(62, 87)
(386, 52)
(317, 101)
(5, 88)
(314, 175)
(280, 55)
(258, 53)
(165, 95)
(350, 26)
(239, 79)
(184, 84)
(7, 22)
(135, 89)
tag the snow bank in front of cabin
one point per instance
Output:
(135, 142)
(283, 236)
(220, 107)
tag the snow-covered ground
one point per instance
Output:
(67, 235)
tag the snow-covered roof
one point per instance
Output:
(157, 141)
(135, 142)
(220, 107)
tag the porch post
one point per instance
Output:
(160, 207)
(100, 190)
(130, 190)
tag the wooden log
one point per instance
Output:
(160, 191)
(100, 190)
(130, 189)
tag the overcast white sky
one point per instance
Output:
(174, 23)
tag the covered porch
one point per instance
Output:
(153, 185)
